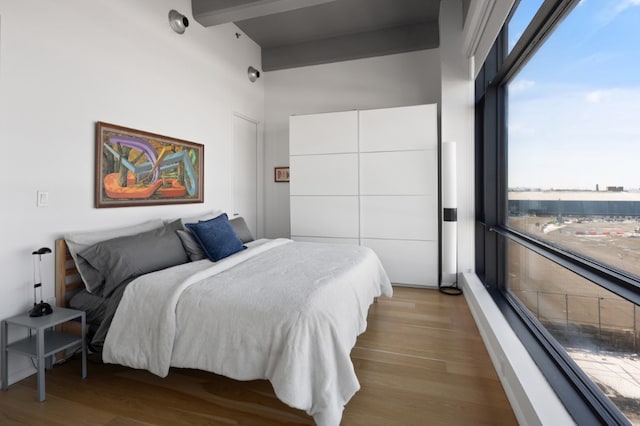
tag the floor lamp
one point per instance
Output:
(449, 221)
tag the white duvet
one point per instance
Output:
(284, 311)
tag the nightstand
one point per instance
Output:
(45, 343)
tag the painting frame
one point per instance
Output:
(138, 168)
(281, 174)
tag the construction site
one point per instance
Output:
(597, 328)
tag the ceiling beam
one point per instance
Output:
(354, 46)
(215, 12)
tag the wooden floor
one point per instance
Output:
(420, 362)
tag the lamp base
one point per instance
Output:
(451, 290)
(40, 309)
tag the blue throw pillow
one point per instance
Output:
(217, 237)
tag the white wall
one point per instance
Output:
(387, 81)
(484, 21)
(457, 114)
(66, 64)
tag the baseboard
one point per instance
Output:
(533, 400)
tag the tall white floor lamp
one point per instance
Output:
(449, 280)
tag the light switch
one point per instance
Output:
(42, 198)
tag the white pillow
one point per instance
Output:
(201, 217)
(77, 241)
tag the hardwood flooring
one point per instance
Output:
(420, 362)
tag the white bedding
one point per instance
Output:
(284, 311)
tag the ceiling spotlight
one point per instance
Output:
(178, 21)
(253, 74)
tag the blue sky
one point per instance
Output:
(574, 109)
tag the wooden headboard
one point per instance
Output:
(67, 276)
(67, 280)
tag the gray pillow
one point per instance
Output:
(241, 229)
(94, 306)
(92, 278)
(124, 258)
(191, 245)
(78, 241)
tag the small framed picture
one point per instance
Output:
(281, 174)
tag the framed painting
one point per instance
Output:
(281, 174)
(136, 168)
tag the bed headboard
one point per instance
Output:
(67, 277)
(67, 281)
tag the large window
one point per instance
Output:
(574, 136)
(559, 143)
(597, 328)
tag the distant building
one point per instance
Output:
(615, 203)
(615, 188)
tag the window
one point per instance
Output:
(558, 143)
(523, 14)
(597, 328)
(574, 137)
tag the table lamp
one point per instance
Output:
(42, 308)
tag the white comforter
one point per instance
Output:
(286, 311)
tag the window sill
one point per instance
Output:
(531, 396)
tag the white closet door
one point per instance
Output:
(399, 129)
(398, 173)
(323, 240)
(324, 184)
(407, 262)
(392, 217)
(327, 174)
(327, 133)
(399, 190)
(370, 178)
(324, 216)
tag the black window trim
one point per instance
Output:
(615, 281)
(546, 19)
(586, 403)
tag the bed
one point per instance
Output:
(281, 310)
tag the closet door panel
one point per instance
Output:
(402, 218)
(370, 178)
(324, 216)
(407, 262)
(398, 129)
(328, 133)
(331, 174)
(398, 173)
(353, 241)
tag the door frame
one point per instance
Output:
(260, 182)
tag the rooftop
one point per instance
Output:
(574, 195)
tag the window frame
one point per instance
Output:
(584, 400)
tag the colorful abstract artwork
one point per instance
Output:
(136, 168)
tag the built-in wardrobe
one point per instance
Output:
(370, 177)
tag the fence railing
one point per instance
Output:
(588, 322)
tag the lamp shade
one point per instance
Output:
(449, 212)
